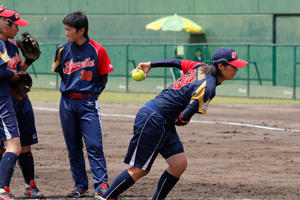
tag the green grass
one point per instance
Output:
(49, 95)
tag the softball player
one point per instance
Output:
(83, 66)
(23, 108)
(154, 126)
(9, 133)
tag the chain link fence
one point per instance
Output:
(273, 70)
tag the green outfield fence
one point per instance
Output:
(273, 70)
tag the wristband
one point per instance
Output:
(29, 61)
(185, 122)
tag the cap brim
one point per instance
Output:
(239, 63)
(21, 22)
(7, 13)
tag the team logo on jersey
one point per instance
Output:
(74, 66)
(12, 63)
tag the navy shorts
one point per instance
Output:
(8, 122)
(26, 121)
(151, 136)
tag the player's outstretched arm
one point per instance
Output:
(146, 66)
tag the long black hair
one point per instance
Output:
(77, 20)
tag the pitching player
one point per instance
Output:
(22, 107)
(83, 66)
(154, 126)
(9, 133)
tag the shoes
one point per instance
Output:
(5, 194)
(99, 193)
(33, 192)
(78, 193)
(100, 198)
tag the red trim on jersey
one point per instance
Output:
(17, 47)
(104, 64)
(186, 65)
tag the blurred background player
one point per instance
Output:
(198, 56)
(9, 133)
(154, 126)
(83, 66)
(22, 107)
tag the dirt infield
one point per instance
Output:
(226, 161)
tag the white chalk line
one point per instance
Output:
(192, 121)
(141, 198)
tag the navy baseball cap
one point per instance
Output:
(4, 12)
(15, 18)
(229, 56)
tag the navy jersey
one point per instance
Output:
(4, 73)
(192, 91)
(15, 60)
(81, 66)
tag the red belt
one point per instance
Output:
(76, 95)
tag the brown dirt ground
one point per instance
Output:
(225, 161)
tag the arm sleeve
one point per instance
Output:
(57, 60)
(202, 96)
(104, 64)
(171, 62)
(187, 114)
(184, 65)
(103, 81)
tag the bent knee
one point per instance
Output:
(13, 145)
(137, 173)
(177, 168)
(181, 167)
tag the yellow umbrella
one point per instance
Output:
(174, 23)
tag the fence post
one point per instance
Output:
(165, 69)
(248, 70)
(127, 69)
(294, 77)
(274, 61)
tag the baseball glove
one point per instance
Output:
(21, 87)
(29, 46)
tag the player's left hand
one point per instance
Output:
(20, 87)
(179, 122)
(30, 47)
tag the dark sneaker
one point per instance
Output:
(99, 193)
(5, 194)
(78, 193)
(32, 191)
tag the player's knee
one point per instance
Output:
(13, 145)
(184, 165)
(178, 168)
(181, 167)
(137, 173)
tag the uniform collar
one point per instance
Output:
(86, 41)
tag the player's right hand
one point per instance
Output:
(145, 66)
